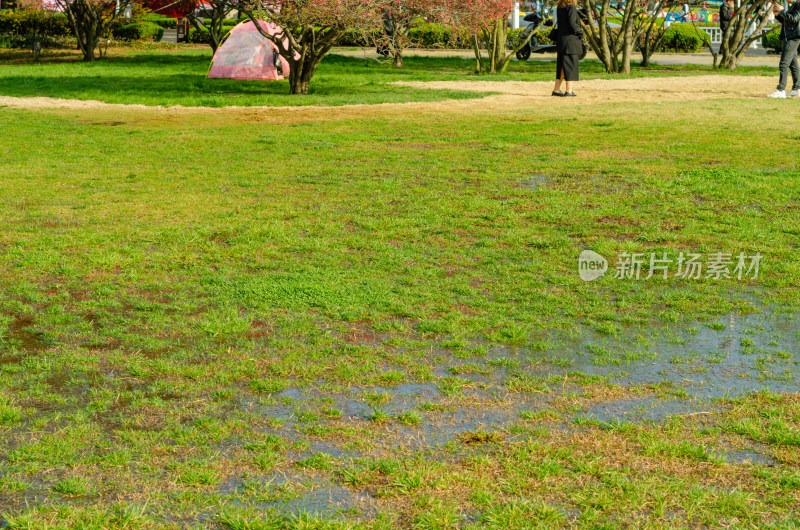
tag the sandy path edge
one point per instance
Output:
(512, 93)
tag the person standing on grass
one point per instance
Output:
(790, 39)
(725, 15)
(569, 46)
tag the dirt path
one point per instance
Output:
(649, 89)
(513, 95)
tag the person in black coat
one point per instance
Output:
(569, 46)
(725, 15)
(790, 39)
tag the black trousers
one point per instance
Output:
(789, 62)
(568, 66)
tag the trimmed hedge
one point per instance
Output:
(139, 31)
(161, 20)
(682, 38)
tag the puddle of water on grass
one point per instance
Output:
(731, 356)
(356, 411)
(14, 503)
(645, 409)
(321, 497)
(745, 456)
(486, 411)
(354, 404)
(328, 500)
(439, 429)
(536, 182)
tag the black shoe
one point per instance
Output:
(569, 94)
(557, 94)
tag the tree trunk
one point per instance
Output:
(729, 62)
(627, 50)
(302, 71)
(398, 40)
(607, 54)
(299, 81)
(476, 47)
(298, 86)
(736, 42)
(605, 51)
(88, 25)
(646, 47)
(499, 45)
(88, 44)
(724, 47)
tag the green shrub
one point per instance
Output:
(433, 36)
(197, 37)
(772, 40)
(7, 41)
(139, 31)
(161, 20)
(683, 38)
(203, 37)
(45, 25)
(421, 35)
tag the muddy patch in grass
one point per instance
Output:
(23, 338)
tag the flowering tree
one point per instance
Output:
(485, 20)
(398, 16)
(90, 20)
(310, 28)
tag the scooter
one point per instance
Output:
(533, 45)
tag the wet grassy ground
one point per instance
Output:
(246, 323)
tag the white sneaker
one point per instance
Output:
(779, 94)
(793, 94)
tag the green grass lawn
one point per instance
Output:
(179, 78)
(219, 322)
